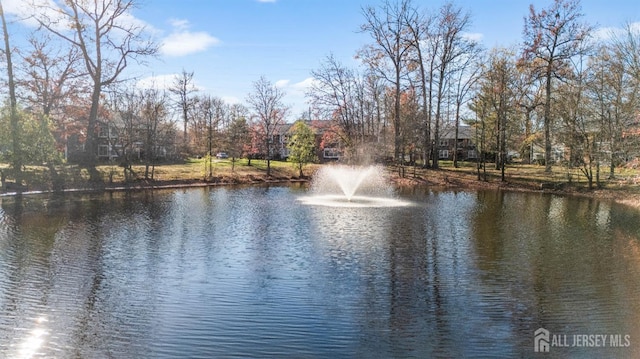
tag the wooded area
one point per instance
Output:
(566, 95)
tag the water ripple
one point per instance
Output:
(253, 272)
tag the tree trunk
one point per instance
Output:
(268, 154)
(425, 113)
(547, 123)
(612, 165)
(498, 160)
(527, 135)
(91, 148)
(210, 150)
(429, 142)
(436, 128)
(503, 142)
(457, 133)
(396, 118)
(589, 174)
(16, 160)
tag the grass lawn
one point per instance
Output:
(532, 176)
(191, 170)
(224, 171)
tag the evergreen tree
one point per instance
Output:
(302, 145)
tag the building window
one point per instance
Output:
(444, 143)
(103, 131)
(472, 154)
(103, 151)
(331, 153)
(443, 154)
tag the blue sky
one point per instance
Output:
(228, 44)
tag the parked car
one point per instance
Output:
(222, 155)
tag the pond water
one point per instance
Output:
(254, 272)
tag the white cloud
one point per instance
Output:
(183, 42)
(160, 82)
(282, 83)
(605, 33)
(186, 42)
(608, 33)
(304, 84)
(231, 100)
(180, 24)
(474, 36)
(127, 20)
(28, 12)
(299, 87)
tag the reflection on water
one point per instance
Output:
(339, 200)
(255, 272)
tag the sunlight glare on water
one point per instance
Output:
(32, 344)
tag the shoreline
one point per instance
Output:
(449, 180)
(154, 185)
(440, 178)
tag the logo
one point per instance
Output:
(541, 341)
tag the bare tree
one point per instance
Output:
(387, 28)
(480, 106)
(154, 115)
(125, 105)
(625, 58)
(451, 24)
(581, 122)
(627, 47)
(612, 90)
(184, 89)
(466, 75)
(213, 111)
(551, 37)
(107, 39)
(237, 137)
(334, 92)
(266, 103)
(530, 99)
(495, 102)
(419, 28)
(51, 79)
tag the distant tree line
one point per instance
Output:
(566, 94)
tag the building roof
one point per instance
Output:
(464, 132)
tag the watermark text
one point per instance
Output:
(544, 340)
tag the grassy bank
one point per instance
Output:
(624, 187)
(192, 171)
(626, 179)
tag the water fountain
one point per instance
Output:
(351, 186)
